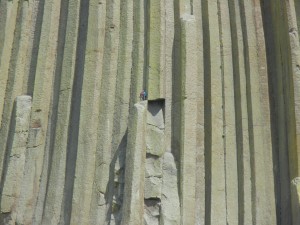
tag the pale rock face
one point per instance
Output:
(155, 140)
(216, 142)
(153, 187)
(17, 154)
(295, 189)
(170, 207)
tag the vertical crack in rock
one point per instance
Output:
(224, 136)
(15, 156)
(72, 145)
(207, 111)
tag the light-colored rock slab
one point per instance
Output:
(151, 212)
(153, 167)
(170, 206)
(155, 141)
(153, 187)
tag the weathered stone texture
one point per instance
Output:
(217, 141)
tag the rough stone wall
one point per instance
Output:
(217, 141)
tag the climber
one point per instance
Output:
(143, 95)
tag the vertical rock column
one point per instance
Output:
(229, 126)
(293, 22)
(133, 203)
(241, 113)
(215, 175)
(54, 207)
(15, 155)
(263, 196)
(43, 87)
(189, 119)
(155, 71)
(296, 203)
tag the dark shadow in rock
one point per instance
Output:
(115, 186)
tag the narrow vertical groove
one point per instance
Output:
(73, 132)
(53, 115)
(176, 88)
(238, 113)
(249, 109)
(207, 110)
(146, 44)
(35, 47)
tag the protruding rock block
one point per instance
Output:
(15, 154)
(133, 203)
(155, 141)
(153, 187)
(152, 212)
(153, 166)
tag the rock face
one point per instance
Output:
(216, 142)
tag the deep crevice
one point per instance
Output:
(72, 144)
(207, 111)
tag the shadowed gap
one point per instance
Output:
(238, 111)
(281, 102)
(176, 93)
(72, 145)
(146, 43)
(50, 141)
(176, 84)
(10, 92)
(207, 110)
(35, 48)
(8, 150)
(116, 188)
